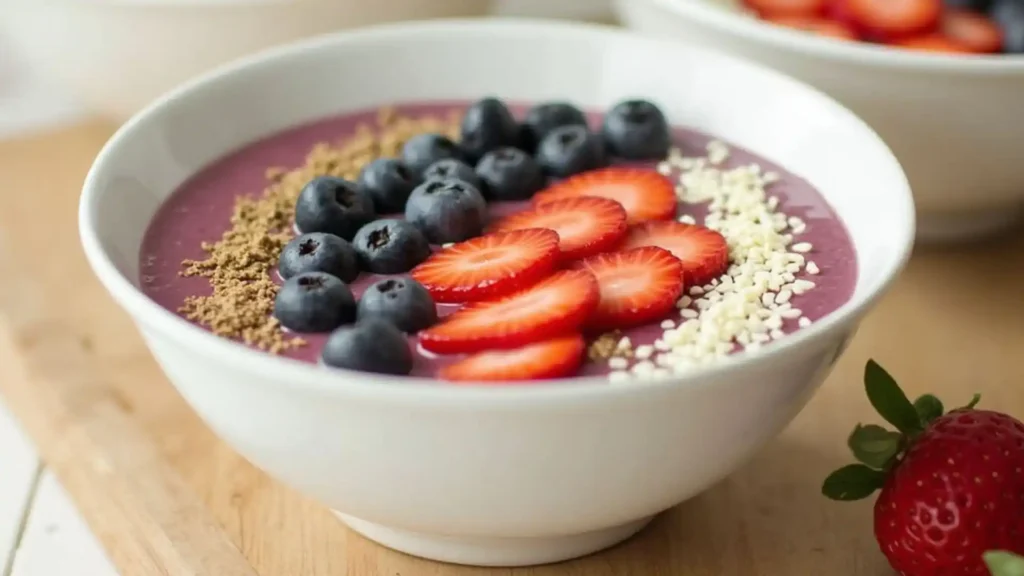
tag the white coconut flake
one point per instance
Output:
(749, 305)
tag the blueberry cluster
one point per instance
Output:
(367, 335)
(440, 188)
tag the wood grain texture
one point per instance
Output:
(166, 497)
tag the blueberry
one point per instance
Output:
(369, 346)
(423, 150)
(543, 118)
(636, 130)
(510, 174)
(332, 205)
(403, 302)
(319, 252)
(387, 183)
(570, 150)
(452, 168)
(390, 246)
(487, 125)
(1009, 14)
(314, 302)
(447, 210)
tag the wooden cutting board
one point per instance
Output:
(167, 498)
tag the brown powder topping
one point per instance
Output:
(240, 264)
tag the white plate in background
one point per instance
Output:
(26, 101)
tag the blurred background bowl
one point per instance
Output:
(116, 56)
(956, 123)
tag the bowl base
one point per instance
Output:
(493, 552)
(965, 226)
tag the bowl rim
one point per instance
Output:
(313, 378)
(855, 53)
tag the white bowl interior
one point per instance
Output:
(768, 113)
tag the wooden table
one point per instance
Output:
(166, 497)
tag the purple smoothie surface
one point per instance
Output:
(200, 210)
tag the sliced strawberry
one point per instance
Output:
(556, 358)
(774, 8)
(637, 286)
(839, 11)
(932, 43)
(702, 251)
(489, 266)
(895, 18)
(645, 194)
(553, 307)
(816, 25)
(973, 31)
(585, 225)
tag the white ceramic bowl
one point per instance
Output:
(118, 55)
(493, 475)
(956, 123)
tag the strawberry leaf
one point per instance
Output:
(873, 445)
(889, 400)
(928, 408)
(1004, 563)
(852, 482)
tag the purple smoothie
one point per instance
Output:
(199, 211)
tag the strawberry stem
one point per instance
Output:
(974, 402)
(877, 449)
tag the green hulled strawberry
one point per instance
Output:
(951, 484)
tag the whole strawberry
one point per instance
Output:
(952, 484)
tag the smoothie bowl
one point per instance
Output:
(496, 292)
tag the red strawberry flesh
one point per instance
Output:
(703, 252)
(556, 358)
(489, 266)
(644, 194)
(894, 18)
(816, 25)
(769, 8)
(938, 43)
(585, 225)
(636, 286)
(553, 307)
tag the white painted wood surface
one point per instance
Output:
(19, 471)
(41, 532)
(56, 541)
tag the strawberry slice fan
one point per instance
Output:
(952, 27)
(951, 484)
